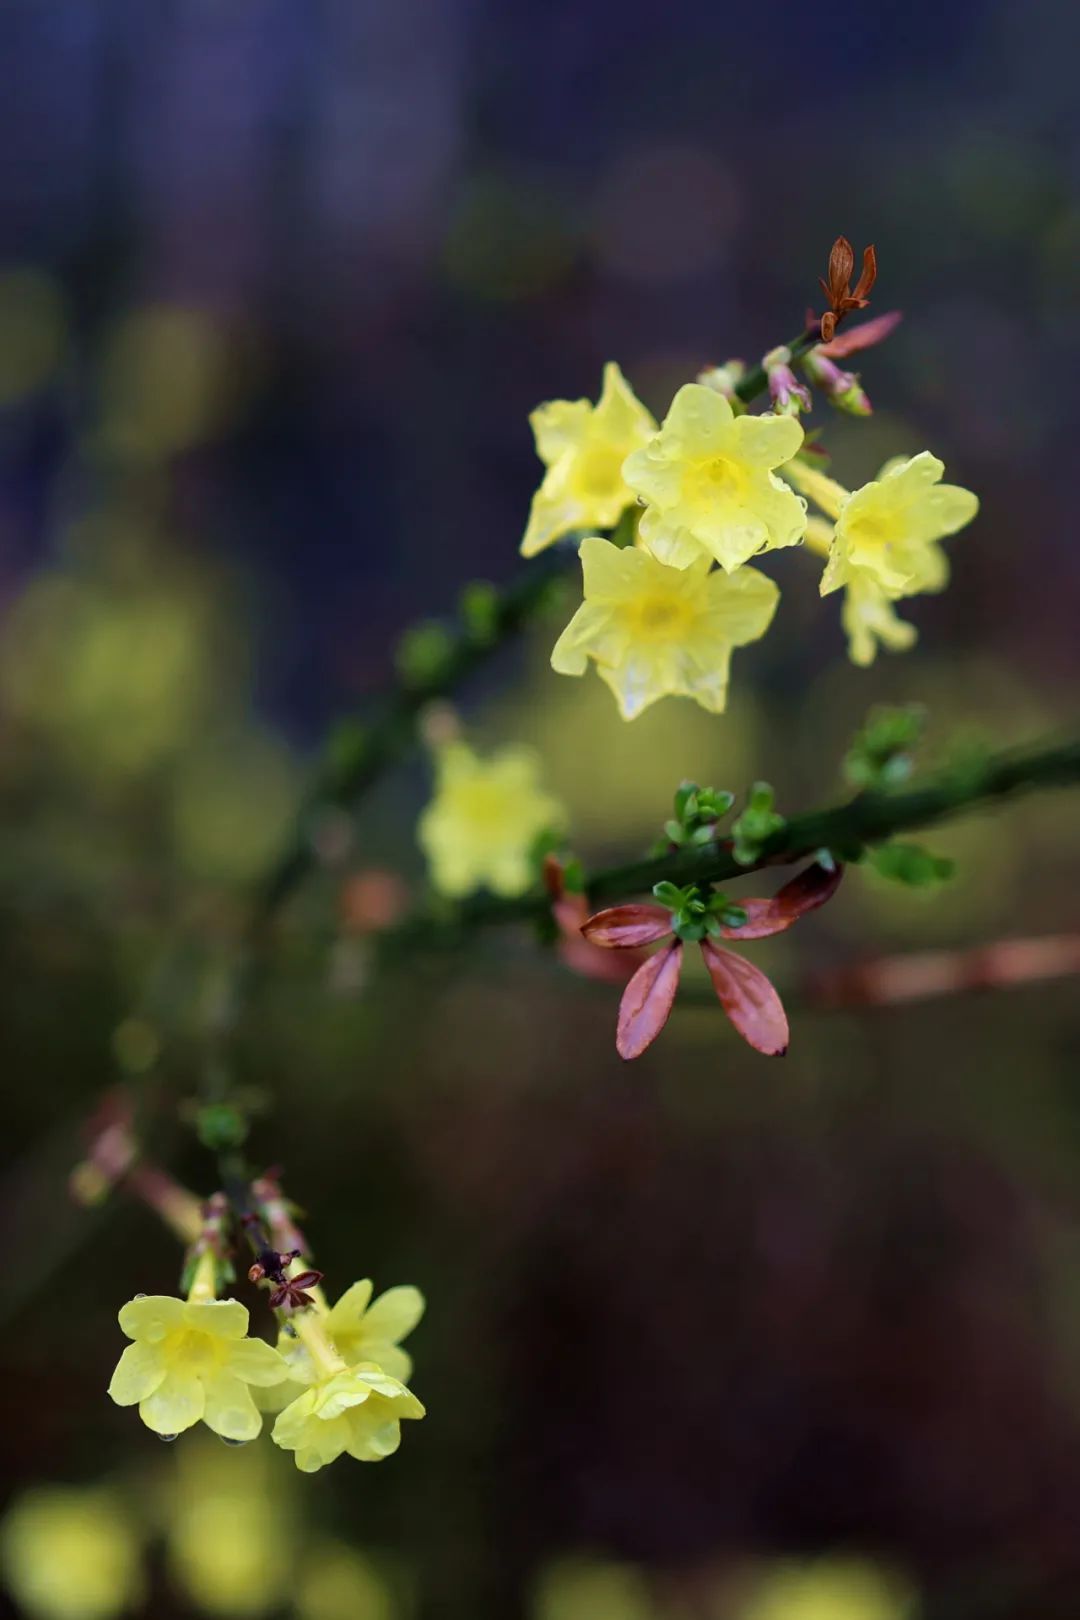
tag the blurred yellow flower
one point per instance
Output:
(890, 528)
(868, 615)
(583, 447)
(354, 1409)
(229, 1530)
(830, 1589)
(334, 1582)
(191, 1359)
(591, 1589)
(71, 1554)
(657, 631)
(708, 483)
(484, 821)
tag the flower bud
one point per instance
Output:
(723, 379)
(788, 395)
(841, 388)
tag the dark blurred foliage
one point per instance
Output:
(279, 285)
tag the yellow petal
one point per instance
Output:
(669, 544)
(151, 1316)
(223, 1318)
(699, 423)
(394, 1361)
(346, 1314)
(140, 1370)
(230, 1410)
(766, 442)
(339, 1393)
(369, 1443)
(395, 1313)
(554, 512)
(293, 1423)
(257, 1362)
(620, 416)
(741, 607)
(175, 1405)
(559, 426)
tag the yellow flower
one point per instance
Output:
(190, 1359)
(708, 483)
(890, 528)
(657, 631)
(71, 1555)
(868, 615)
(583, 447)
(354, 1409)
(360, 1332)
(483, 823)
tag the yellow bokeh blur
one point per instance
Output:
(71, 1554)
(335, 1582)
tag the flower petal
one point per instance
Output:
(390, 1358)
(257, 1362)
(230, 1410)
(647, 1001)
(559, 426)
(223, 1318)
(369, 1444)
(768, 441)
(748, 998)
(177, 1404)
(293, 1423)
(140, 1370)
(627, 927)
(151, 1316)
(346, 1314)
(395, 1313)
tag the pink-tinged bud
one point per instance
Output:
(841, 388)
(723, 379)
(789, 396)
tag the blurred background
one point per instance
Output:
(708, 1338)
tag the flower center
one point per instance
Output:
(199, 1352)
(658, 617)
(718, 479)
(599, 470)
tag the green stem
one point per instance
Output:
(871, 818)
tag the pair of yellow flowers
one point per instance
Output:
(336, 1379)
(658, 618)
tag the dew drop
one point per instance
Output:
(141, 1296)
(227, 1442)
(168, 1438)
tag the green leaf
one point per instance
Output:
(424, 653)
(880, 755)
(911, 864)
(479, 605)
(757, 824)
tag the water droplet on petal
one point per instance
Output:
(142, 1296)
(227, 1442)
(168, 1437)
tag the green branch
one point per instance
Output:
(871, 818)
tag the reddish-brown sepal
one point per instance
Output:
(647, 1001)
(749, 1000)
